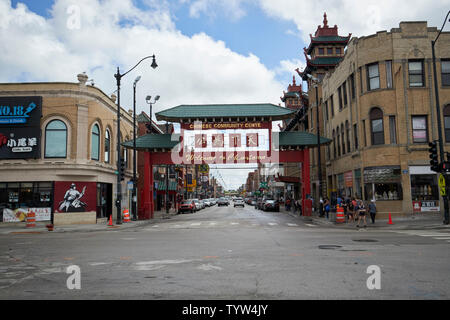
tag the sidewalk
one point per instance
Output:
(416, 221)
(102, 225)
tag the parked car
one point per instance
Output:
(207, 202)
(253, 202)
(198, 204)
(239, 203)
(223, 202)
(202, 202)
(258, 204)
(187, 206)
(271, 205)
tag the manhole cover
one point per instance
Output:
(329, 247)
(365, 240)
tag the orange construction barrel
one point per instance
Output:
(340, 217)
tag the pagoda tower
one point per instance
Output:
(325, 51)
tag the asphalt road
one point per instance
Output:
(227, 253)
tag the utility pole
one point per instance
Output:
(438, 116)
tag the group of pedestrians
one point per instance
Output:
(354, 209)
(293, 204)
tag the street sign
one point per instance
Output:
(442, 185)
(130, 185)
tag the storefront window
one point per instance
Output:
(26, 195)
(424, 187)
(383, 191)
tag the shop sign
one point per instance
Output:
(20, 111)
(348, 178)
(20, 214)
(19, 143)
(426, 206)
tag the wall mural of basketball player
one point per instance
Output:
(72, 200)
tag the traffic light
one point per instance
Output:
(433, 156)
(445, 167)
(122, 169)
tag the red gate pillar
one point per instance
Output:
(306, 184)
(147, 195)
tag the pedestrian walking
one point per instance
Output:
(326, 205)
(350, 210)
(361, 213)
(299, 205)
(288, 204)
(372, 210)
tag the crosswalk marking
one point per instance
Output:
(426, 234)
(292, 225)
(272, 224)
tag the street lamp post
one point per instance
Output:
(438, 116)
(119, 77)
(319, 166)
(148, 100)
(134, 196)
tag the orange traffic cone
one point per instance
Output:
(390, 219)
(110, 221)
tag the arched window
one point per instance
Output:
(377, 128)
(56, 140)
(95, 143)
(107, 147)
(343, 138)
(447, 122)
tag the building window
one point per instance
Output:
(352, 85)
(338, 142)
(447, 122)
(392, 130)
(340, 97)
(376, 120)
(326, 109)
(338, 51)
(330, 51)
(343, 139)
(355, 136)
(361, 82)
(334, 144)
(95, 142)
(321, 51)
(416, 75)
(344, 91)
(445, 67)
(332, 106)
(107, 147)
(347, 130)
(364, 133)
(419, 124)
(56, 139)
(373, 77)
(389, 74)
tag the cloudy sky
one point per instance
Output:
(208, 51)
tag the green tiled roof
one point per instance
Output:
(329, 39)
(325, 61)
(162, 185)
(154, 141)
(225, 111)
(300, 139)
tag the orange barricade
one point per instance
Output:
(126, 216)
(31, 220)
(340, 217)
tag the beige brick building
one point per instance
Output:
(76, 150)
(378, 106)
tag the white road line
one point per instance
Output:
(212, 223)
(440, 238)
(272, 224)
(292, 225)
(234, 223)
(310, 225)
(195, 224)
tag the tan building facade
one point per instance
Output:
(73, 168)
(378, 107)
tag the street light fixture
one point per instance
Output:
(438, 116)
(119, 77)
(148, 100)
(319, 167)
(134, 195)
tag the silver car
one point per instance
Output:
(239, 203)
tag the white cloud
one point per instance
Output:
(191, 70)
(361, 18)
